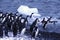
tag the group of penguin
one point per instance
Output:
(12, 22)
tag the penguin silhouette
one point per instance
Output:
(31, 15)
(1, 30)
(33, 25)
(14, 28)
(45, 22)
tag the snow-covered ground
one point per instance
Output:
(23, 37)
(16, 38)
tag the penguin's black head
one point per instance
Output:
(16, 12)
(43, 18)
(27, 16)
(36, 18)
(11, 13)
(20, 15)
(1, 12)
(50, 16)
(7, 14)
(32, 13)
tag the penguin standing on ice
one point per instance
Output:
(35, 32)
(14, 27)
(33, 25)
(1, 30)
(9, 21)
(19, 23)
(45, 22)
(5, 22)
(24, 23)
(31, 15)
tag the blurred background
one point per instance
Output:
(45, 7)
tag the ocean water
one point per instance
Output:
(45, 7)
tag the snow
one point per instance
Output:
(23, 37)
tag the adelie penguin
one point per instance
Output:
(6, 30)
(45, 22)
(9, 21)
(1, 30)
(25, 20)
(33, 25)
(6, 25)
(31, 15)
(23, 24)
(20, 23)
(34, 32)
(14, 27)
(1, 16)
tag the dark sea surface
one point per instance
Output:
(46, 7)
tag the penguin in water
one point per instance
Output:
(33, 25)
